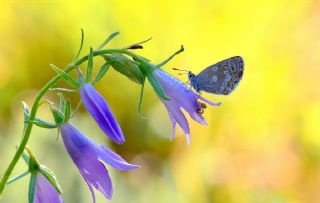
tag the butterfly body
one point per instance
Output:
(220, 78)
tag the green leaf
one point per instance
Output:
(65, 76)
(42, 124)
(103, 70)
(67, 111)
(89, 65)
(32, 186)
(18, 177)
(81, 45)
(50, 176)
(108, 39)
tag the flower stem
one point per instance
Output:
(42, 92)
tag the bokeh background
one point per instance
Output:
(261, 145)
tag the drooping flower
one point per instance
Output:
(88, 157)
(45, 192)
(100, 111)
(181, 96)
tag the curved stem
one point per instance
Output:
(43, 90)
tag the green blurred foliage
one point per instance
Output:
(261, 145)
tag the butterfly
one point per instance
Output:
(220, 78)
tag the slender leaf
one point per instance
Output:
(18, 177)
(89, 65)
(108, 39)
(63, 90)
(41, 123)
(81, 45)
(65, 76)
(103, 70)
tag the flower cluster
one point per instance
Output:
(88, 156)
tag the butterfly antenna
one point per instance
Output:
(182, 73)
(180, 70)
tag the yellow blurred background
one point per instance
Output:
(261, 145)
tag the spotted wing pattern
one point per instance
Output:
(221, 78)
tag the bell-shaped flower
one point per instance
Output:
(100, 111)
(45, 192)
(181, 96)
(88, 157)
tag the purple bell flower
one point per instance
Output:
(100, 111)
(88, 157)
(45, 192)
(181, 96)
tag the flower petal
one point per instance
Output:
(95, 174)
(179, 117)
(45, 192)
(114, 159)
(85, 153)
(100, 111)
(173, 125)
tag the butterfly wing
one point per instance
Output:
(221, 78)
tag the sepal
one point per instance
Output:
(155, 84)
(126, 66)
(32, 186)
(26, 111)
(51, 177)
(67, 111)
(57, 115)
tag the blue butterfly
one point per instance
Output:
(220, 78)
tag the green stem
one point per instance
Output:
(42, 92)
